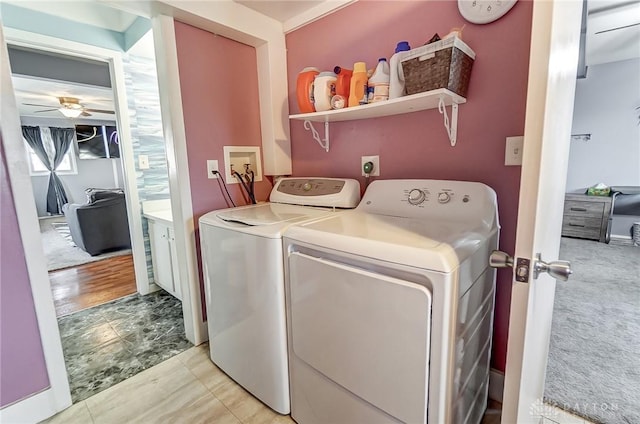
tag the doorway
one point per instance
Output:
(106, 344)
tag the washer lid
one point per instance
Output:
(427, 244)
(265, 219)
(262, 214)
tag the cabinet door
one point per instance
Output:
(177, 290)
(161, 255)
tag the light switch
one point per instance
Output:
(513, 151)
(143, 162)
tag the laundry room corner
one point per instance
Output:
(415, 145)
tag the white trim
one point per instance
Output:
(58, 396)
(320, 11)
(242, 24)
(496, 385)
(164, 37)
(114, 58)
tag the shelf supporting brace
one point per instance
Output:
(451, 128)
(324, 143)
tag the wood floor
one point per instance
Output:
(92, 284)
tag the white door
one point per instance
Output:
(551, 88)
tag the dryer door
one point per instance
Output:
(366, 332)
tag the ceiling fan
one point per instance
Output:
(70, 107)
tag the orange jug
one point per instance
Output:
(304, 89)
(343, 82)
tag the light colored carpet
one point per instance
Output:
(61, 252)
(594, 358)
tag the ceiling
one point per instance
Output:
(46, 92)
(613, 34)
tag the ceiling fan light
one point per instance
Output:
(70, 113)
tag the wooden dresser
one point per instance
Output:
(586, 217)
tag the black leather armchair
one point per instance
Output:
(101, 224)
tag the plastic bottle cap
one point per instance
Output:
(359, 67)
(326, 74)
(403, 46)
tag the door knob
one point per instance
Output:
(560, 270)
(499, 259)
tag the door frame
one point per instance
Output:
(553, 61)
(114, 60)
(57, 396)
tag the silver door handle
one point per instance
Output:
(560, 270)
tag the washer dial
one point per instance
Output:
(416, 196)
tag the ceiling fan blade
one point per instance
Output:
(44, 110)
(33, 104)
(85, 113)
(99, 110)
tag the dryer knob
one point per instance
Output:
(444, 197)
(416, 196)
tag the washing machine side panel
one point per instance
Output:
(368, 333)
(244, 287)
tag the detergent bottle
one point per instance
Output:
(380, 81)
(304, 89)
(358, 89)
(396, 76)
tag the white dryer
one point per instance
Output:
(243, 270)
(390, 306)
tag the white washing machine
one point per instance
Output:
(243, 270)
(390, 306)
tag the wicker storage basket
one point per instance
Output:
(443, 64)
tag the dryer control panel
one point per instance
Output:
(437, 199)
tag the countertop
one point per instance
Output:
(165, 216)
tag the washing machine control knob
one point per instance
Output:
(307, 186)
(416, 196)
(444, 197)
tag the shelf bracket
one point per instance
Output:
(324, 143)
(450, 127)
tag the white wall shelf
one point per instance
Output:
(433, 99)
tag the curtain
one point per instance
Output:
(61, 139)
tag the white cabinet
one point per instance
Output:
(163, 256)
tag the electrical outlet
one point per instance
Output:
(513, 151)
(212, 165)
(143, 161)
(376, 165)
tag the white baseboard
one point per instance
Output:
(34, 408)
(496, 385)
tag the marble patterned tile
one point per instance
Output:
(109, 343)
(91, 339)
(75, 414)
(94, 371)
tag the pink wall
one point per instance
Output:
(219, 84)
(415, 145)
(22, 363)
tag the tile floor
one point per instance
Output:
(107, 344)
(189, 388)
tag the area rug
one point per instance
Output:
(60, 250)
(594, 358)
